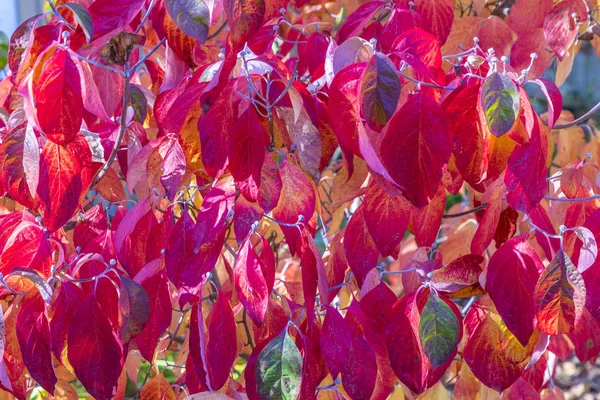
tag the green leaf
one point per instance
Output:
(379, 91)
(279, 369)
(501, 102)
(438, 330)
(191, 16)
(3, 50)
(83, 19)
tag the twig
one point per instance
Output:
(580, 119)
(214, 35)
(141, 25)
(577, 200)
(147, 56)
(460, 214)
(122, 129)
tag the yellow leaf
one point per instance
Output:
(157, 388)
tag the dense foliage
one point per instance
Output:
(341, 199)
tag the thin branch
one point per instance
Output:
(141, 25)
(580, 119)
(57, 14)
(97, 64)
(147, 56)
(460, 214)
(577, 200)
(216, 33)
(122, 129)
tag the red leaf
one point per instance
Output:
(416, 147)
(33, 333)
(491, 216)
(154, 280)
(494, 354)
(172, 166)
(361, 251)
(248, 153)
(244, 17)
(67, 300)
(438, 16)
(586, 338)
(65, 173)
(495, 34)
(521, 389)
(348, 353)
(216, 129)
(386, 217)
(358, 20)
(59, 102)
(561, 27)
(112, 16)
(425, 222)
(559, 296)
(271, 185)
(250, 282)
(554, 97)
(297, 199)
(404, 348)
(313, 274)
(511, 275)
(423, 45)
(212, 218)
(526, 171)
(221, 349)
(343, 112)
(20, 164)
(95, 351)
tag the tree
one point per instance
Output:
(289, 200)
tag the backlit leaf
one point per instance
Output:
(561, 25)
(59, 100)
(492, 352)
(559, 296)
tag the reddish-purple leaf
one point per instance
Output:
(416, 147)
(511, 276)
(387, 217)
(95, 351)
(361, 251)
(33, 333)
(112, 16)
(154, 280)
(221, 349)
(250, 282)
(297, 199)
